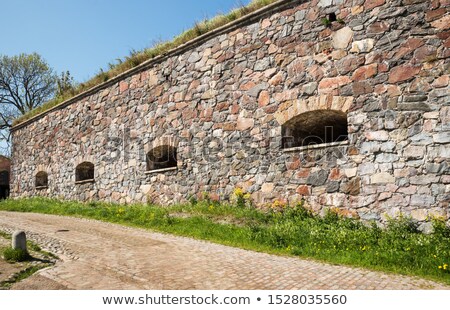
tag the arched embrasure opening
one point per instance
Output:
(162, 157)
(41, 179)
(4, 184)
(315, 127)
(84, 172)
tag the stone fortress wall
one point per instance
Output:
(366, 80)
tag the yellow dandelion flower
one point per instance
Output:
(238, 191)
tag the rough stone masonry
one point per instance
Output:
(341, 103)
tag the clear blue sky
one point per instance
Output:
(83, 36)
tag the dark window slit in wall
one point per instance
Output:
(162, 157)
(41, 180)
(315, 127)
(84, 172)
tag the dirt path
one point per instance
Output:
(99, 255)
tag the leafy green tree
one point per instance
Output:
(26, 82)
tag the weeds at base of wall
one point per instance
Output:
(291, 230)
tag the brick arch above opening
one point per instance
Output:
(82, 159)
(158, 142)
(290, 109)
(40, 168)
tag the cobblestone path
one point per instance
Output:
(97, 255)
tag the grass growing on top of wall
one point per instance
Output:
(138, 57)
(400, 248)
